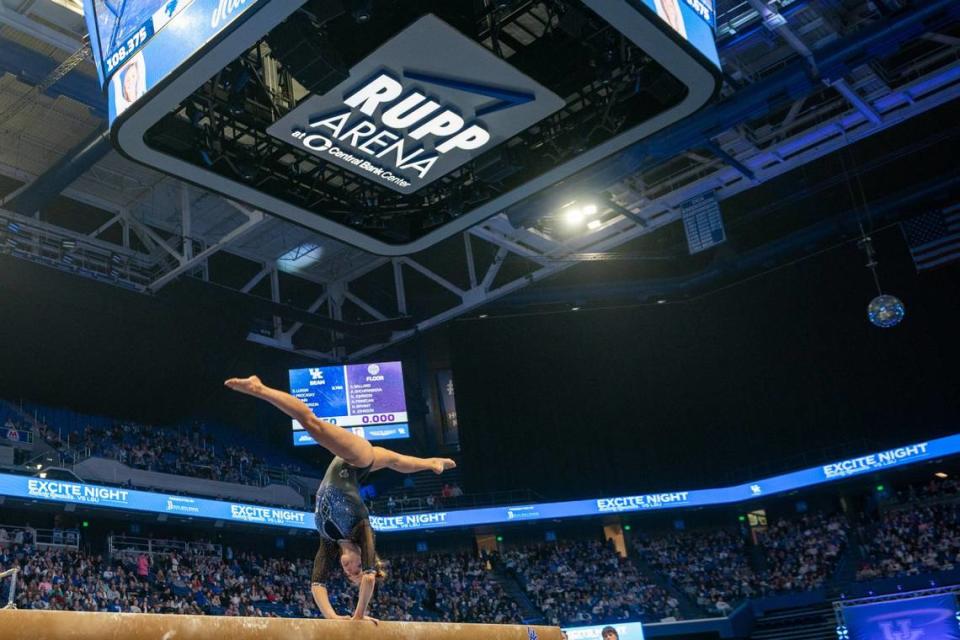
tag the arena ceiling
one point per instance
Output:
(803, 79)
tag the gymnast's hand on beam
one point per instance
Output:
(368, 618)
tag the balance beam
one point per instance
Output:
(70, 625)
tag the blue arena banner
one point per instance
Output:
(99, 496)
(129, 499)
(625, 631)
(928, 618)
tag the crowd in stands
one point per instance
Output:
(712, 567)
(709, 566)
(188, 452)
(802, 553)
(921, 537)
(568, 582)
(451, 587)
(584, 582)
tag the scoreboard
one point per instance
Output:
(368, 399)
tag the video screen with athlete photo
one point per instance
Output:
(124, 26)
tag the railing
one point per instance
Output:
(393, 505)
(12, 574)
(130, 546)
(42, 538)
(59, 538)
(260, 476)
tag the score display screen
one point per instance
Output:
(120, 28)
(368, 399)
(693, 20)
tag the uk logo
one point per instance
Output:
(900, 630)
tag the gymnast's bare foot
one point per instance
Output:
(439, 465)
(250, 386)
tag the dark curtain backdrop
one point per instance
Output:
(674, 396)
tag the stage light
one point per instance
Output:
(941, 475)
(662, 301)
(880, 488)
(573, 217)
(590, 210)
(499, 538)
(361, 10)
(626, 527)
(593, 225)
(43, 474)
(85, 524)
(484, 316)
(575, 308)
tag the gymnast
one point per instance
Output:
(341, 517)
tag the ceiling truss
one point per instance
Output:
(170, 230)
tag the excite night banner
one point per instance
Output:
(368, 399)
(929, 618)
(110, 497)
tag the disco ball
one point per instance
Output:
(885, 311)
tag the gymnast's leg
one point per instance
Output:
(340, 442)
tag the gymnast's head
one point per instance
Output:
(351, 561)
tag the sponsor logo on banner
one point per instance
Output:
(874, 461)
(266, 515)
(521, 513)
(408, 115)
(225, 11)
(177, 504)
(73, 492)
(410, 521)
(634, 503)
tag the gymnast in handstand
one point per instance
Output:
(341, 517)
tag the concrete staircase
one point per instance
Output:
(689, 609)
(515, 591)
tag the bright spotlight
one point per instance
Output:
(590, 210)
(593, 225)
(573, 216)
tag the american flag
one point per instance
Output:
(934, 237)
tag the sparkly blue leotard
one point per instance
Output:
(339, 506)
